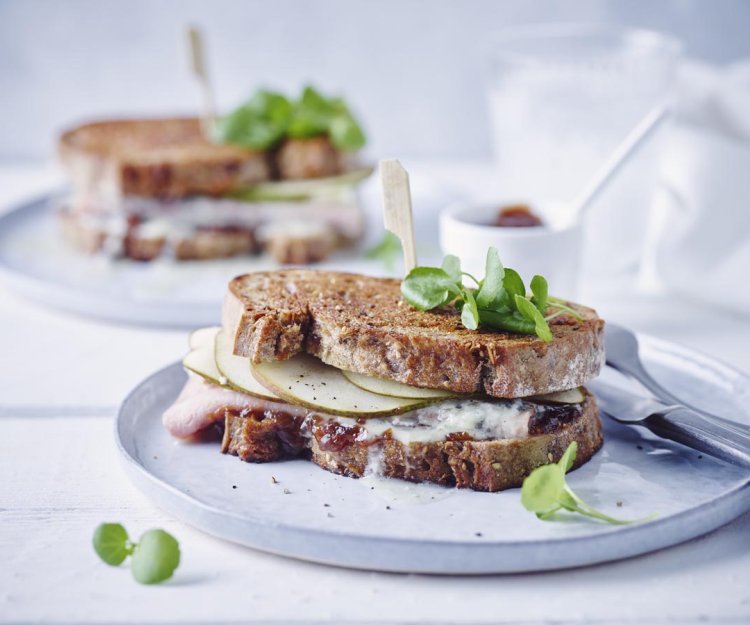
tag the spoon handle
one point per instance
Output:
(618, 158)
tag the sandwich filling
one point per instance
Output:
(203, 404)
(146, 228)
(467, 442)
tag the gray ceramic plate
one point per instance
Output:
(296, 509)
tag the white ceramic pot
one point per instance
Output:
(466, 232)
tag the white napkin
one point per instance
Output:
(702, 247)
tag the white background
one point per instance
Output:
(414, 69)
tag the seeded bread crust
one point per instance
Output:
(488, 465)
(156, 158)
(360, 323)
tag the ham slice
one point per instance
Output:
(201, 404)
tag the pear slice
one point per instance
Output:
(201, 359)
(389, 388)
(302, 189)
(306, 381)
(571, 396)
(204, 337)
(236, 369)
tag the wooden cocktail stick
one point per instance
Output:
(397, 215)
(198, 66)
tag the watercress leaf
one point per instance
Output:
(501, 303)
(259, 123)
(528, 310)
(311, 116)
(452, 266)
(541, 489)
(525, 308)
(493, 269)
(569, 457)
(513, 285)
(387, 251)
(111, 543)
(548, 516)
(467, 318)
(506, 320)
(539, 289)
(344, 130)
(346, 134)
(312, 98)
(492, 285)
(469, 313)
(155, 557)
(428, 287)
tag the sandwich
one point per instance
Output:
(274, 175)
(362, 377)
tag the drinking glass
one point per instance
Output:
(562, 97)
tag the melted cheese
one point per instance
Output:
(481, 420)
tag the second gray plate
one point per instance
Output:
(296, 509)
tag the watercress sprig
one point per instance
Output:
(153, 559)
(268, 117)
(498, 301)
(545, 493)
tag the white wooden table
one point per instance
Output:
(62, 378)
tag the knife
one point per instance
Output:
(675, 422)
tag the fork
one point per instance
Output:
(677, 423)
(622, 353)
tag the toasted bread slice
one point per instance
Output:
(359, 323)
(485, 465)
(156, 158)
